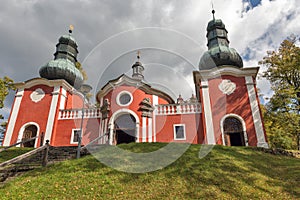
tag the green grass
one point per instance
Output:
(12, 153)
(225, 173)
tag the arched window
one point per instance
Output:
(233, 132)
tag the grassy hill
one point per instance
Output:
(225, 173)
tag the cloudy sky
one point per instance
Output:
(169, 34)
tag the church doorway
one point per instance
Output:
(29, 132)
(125, 129)
(233, 132)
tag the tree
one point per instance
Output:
(79, 67)
(5, 85)
(283, 109)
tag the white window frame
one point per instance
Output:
(72, 135)
(174, 131)
(119, 96)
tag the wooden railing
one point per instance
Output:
(77, 113)
(28, 154)
(25, 141)
(173, 109)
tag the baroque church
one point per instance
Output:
(224, 111)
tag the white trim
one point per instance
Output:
(119, 96)
(22, 129)
(144, 129)
(243, 125)
(63, 98)
(42, 81)
(210, 134)
(115, 116)
(154, 103)
(72, 136)
(13, 117)
(174, 132)
(51, 116)
(228, 70)
(137, 128)
(259, 130)
(149, 129)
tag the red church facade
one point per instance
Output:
(225, 110)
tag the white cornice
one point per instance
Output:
(226, 70)
(42, 81)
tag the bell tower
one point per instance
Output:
(227, 92)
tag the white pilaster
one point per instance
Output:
(149, 129)
(261, 142)
(144, 129)
(13, 117)
(210, 134)
(154, 103)
(111, 134)
(63, 98)
(52, 112)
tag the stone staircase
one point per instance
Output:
(36, 159)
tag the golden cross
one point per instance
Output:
(138, 55)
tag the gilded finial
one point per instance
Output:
(71, 27)
(213, 10)
(138, 55)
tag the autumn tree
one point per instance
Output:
(283, 109)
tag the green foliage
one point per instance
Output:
(225, 173)
(281, 128)
(283, 110)
(5, 85)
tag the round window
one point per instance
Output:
(124, 98)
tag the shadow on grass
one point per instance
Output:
(226, 172)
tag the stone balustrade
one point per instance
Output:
(173, 109)
(76, 113)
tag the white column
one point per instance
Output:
(111, 134)
(154, 103)
(149, 129)
(210, 134)
(261, 142)
(137, 132)
(51, 115)
(101, 132)
(105, 129)
(13, 117)
(144, 129)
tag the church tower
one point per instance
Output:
(38, 101)
(227, 92)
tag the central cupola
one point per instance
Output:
(64, 64)
(219, 53)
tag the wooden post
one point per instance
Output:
(42, 139)
(45, 155)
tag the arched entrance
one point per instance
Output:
(29, 132)
(124, 129)
(233, 132)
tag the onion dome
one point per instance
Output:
(138, 69)
(219, 53)
(63, 65)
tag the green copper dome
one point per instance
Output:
(219, 53)
(62, 69)
(63, 65)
